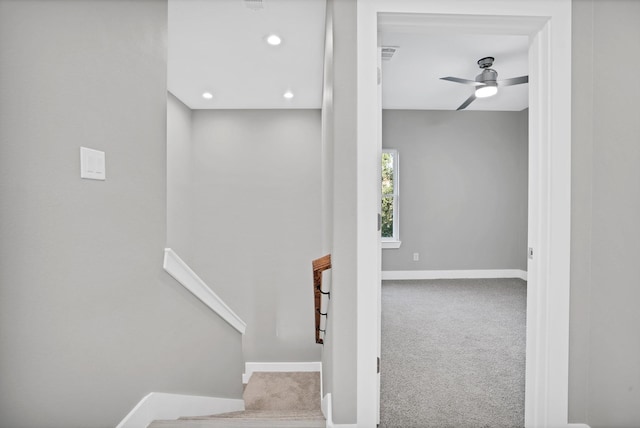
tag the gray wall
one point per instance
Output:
(252, 185)
(605, 320)
(463, 189)
(89, 321)
(179, 177)
(339, 181)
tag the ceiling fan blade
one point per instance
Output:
(513, 81)
(469, 100)
(463, 81)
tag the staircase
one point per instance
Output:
(272, 400)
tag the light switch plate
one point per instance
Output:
(92, 164)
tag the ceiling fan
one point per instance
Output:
(486, 83)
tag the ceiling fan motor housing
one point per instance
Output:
(488, 76)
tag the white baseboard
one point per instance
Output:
(578, 426)
(325, 406)
(453, 274)
(159, 405)
(250, 367)
(327, 411)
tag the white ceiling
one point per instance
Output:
(411, 79)
(219, 46)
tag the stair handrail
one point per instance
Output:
(319, 266)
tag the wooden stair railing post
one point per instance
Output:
(319, 266)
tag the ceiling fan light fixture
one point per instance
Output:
(487, 90)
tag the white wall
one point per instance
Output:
(339, 206)
(253, 208)
(463, 189)
(605, 320)
(344, 251)
(327, 145)
(89, 321)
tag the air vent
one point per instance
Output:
(388, 52)
(254, 4)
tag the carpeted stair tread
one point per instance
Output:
(272, 400)
(240, 423)
(263, 414)
(283, 391)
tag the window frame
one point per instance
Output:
(394, 240)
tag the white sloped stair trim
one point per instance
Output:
(177, 268)
(159, 405)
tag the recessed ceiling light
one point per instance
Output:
(274, 40)
(207, 95)
(288, 95)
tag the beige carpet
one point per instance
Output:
(272, 400)
(266, 414)
(286, 391)
(240, 423)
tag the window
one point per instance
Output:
(390, 190)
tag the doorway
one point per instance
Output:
(463, 236)
(463, 198)
(549, 186)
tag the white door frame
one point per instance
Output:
(548, 24)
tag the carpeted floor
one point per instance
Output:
(453, 353)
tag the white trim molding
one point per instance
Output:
(453, 274)
(309, 366)
(327, 411)
(159, 405)
(177, 268)
(547, 23)
(578, 426)
(390, 244)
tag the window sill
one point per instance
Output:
(391, 244)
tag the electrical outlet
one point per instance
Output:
(416, 257)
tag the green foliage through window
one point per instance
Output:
(388, 194)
